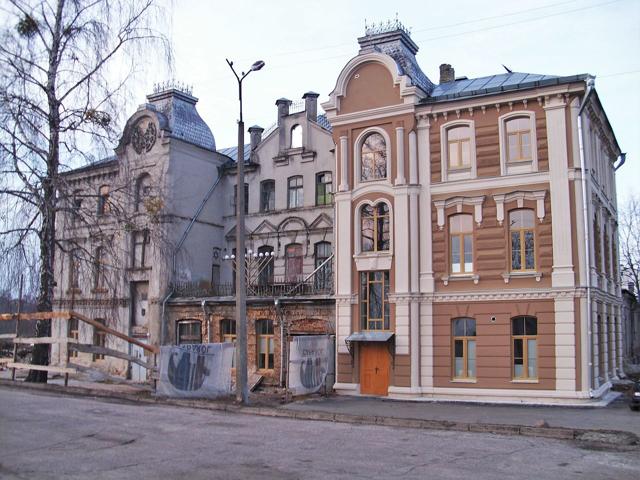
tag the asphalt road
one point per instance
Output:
(46, 436)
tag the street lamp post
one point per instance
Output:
(242, 388)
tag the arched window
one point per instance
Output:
(524, 337)
(522, 230)
(267, 195)
(104, 206)
(265, 255)
(265, 344)
(322, 278)
(293, 262)
(324, 188)
(188, 331)
(373, 162)
(143, 190)
(296, 136)
(374, 227)
(459, 147)
(518, 139)
(518, 148)
(464, 348)
(461, 243)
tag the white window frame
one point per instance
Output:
(461, 174)
(357, 157)
(380, 260)
(530, 166)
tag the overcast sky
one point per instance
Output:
(305, 44)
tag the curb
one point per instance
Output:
(591, 437)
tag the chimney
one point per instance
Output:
(283, 105)
(311, 105)
(447, 73)
(255, 134)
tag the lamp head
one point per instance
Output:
(257, 66)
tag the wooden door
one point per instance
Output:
(374, 369)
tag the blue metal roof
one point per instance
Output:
(323, 121)
(496, 84)
(183, 119)
(232, 152)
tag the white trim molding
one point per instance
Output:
(520, 196)
(511, 168)
(357, 157)
(462, 174)
(458, 202)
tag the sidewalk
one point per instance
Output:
(613, 426)
(615, 416)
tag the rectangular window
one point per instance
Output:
(521, 226)
(293, 262)
(324, 189)
(267, 195)
(189, 331)
(265, 342)
(524, 335)
(459, 143)
(228, 335)
(374, 304)
(99, 339)
(519, 139)
(295, 193)
(461, 243)
(464, 348)
(104, 207)
(140, 249)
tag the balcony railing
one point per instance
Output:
(276, 287)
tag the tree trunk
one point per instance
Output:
(48, 207)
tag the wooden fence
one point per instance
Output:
(73, 344)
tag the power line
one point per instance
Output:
(518, 22)
(478, 20)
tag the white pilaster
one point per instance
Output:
(400, 178)
(413, 158)
(344, 163)
(426, 346)
(562, 275)
(565, 347)
(424, 172)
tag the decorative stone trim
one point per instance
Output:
(520, 197)
(373, 261)
(456, 278)
(458, 202)
(507, 276)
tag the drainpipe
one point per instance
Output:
(204, 317)
(277, 303)
(587, 239)
(623, 158)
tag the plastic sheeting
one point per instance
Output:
(309, 363)
(198, 370)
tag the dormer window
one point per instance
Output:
(373, 164)
(296, 136)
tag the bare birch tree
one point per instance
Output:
(629, 228)
(64, 69)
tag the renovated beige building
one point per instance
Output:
(474, 259)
